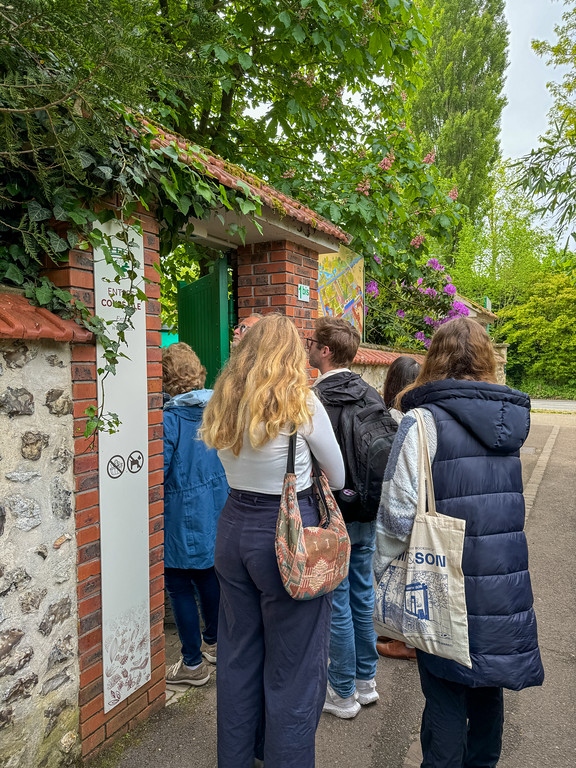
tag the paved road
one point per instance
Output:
(554, 405)
(539, 730)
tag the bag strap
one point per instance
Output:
(425, 482)
(291, 454)
(317, 474)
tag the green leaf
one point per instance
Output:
(86, 160)
(58, 244)
(60, 213)
(44, 293)
(224, 197)
(184, 204)
(72, 238)
(37, 213)
(284, 17)
(246, 206)
(298, 34)
(104, 171)
(14, 274)
(221, 54)
(244, 60)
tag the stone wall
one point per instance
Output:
(375, 375)
(39, 674)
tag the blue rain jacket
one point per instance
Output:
(478, 477)
(195, 487)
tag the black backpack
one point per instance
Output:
(366, 432)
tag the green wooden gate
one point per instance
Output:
(203, 318)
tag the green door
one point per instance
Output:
(203, 318)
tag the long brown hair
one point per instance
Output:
(402, 372)
(263, 388)
(460, 349)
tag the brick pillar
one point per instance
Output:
(97, 728)
(268, 279)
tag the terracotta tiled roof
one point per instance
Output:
(20, 320)
(366, 356)
(233, 177)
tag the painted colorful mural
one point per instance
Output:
(341, 286)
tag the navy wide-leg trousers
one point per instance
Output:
(461, 726)
(272, 650)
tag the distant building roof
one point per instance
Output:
(477, 311)
(367, 356)
(21, 320)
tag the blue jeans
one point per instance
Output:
(353, 651)
(182, 585)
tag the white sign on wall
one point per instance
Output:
(303, 293)
(123, 483)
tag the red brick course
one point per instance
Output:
(268, 279)
(97, 728)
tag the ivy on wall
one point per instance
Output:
(71, 139)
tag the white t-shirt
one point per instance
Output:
(262, 470)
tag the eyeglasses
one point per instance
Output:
(310, 341)
(241, 328)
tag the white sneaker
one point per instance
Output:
(366, 692)
(336, 705)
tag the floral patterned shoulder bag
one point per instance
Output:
(314, 560)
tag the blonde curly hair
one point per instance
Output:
(181, 369)
(263, 388)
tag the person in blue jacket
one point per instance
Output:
(475, 428)
(195, 490)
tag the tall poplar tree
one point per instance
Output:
(459, 106)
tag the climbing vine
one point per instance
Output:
(75, 155)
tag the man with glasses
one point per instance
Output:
(244, 326)
(353, 654)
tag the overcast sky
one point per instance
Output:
(524, 119)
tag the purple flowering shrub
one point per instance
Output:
(405, 313)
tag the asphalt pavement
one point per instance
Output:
(554, 405)
(539, 726)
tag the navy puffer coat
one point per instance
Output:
(478, 477)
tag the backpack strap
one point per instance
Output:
(343, 437)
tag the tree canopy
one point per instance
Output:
(459, 105)
(540, 332)
(550, 169)
(507, 251)
(309, 95)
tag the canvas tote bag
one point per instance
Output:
(312, 561)
(420, 599)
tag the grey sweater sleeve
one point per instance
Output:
(400, 491)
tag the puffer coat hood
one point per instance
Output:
(478, 478)
(497, 416)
